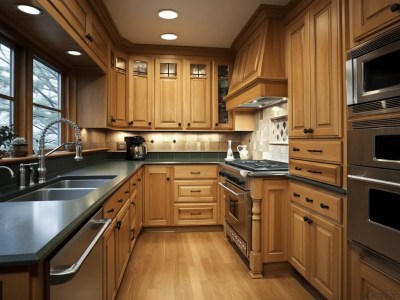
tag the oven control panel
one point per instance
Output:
(236, 179)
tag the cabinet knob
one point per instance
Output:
(296, 195)
(179, 124)
(89, 37)
(297, 168)
(139, 179)
(324, 206)
(395, 7)
(296, 149)
(111, 210)
(149, 123)
(308, 220)
(168, 178)
(216, 124)
(130, 123)
(120, 200)
(305, 219)
(309, 200)
(112, 119)
(188, 124)
(308, 131)
(118, 225)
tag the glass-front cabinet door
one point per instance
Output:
(223, 120)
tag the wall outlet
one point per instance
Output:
(121, 146)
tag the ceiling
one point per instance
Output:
(201, 23)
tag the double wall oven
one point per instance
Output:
(373, 90)
(238, 202)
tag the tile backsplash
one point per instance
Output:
(270, 139)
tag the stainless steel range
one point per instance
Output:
(238, 203)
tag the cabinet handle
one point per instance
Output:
(167, 178)
(308, 131)
(126, 192)
(314, 172)
(324, 206)
(308, 220)
(305, 219)
(113, 119)
(120, 200)
(195, 173)
(296, 149)
(394, 7)
(314, 151)
(149, 123)
(296, 195)
(133, 184)
(297, 168)
(309, 200)
(111, 210)
(195, 191)
(118, 225)
(179, 124)
(188, 124)
(89, 37)
(130, 123)
(216, 124)
(195, 213)
(139, 179)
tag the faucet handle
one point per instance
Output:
(78, 151)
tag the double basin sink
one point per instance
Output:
(65, 188)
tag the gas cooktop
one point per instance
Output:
(259, 165)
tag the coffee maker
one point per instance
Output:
(135, 148)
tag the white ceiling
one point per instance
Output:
(201, 23)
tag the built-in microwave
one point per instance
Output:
(373, 71)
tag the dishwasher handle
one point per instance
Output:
(60, 275)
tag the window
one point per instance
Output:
(6, 85)
(46, 103)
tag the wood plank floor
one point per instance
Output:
(198, 265)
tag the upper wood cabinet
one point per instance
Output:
(314, 72)
(197, 103)
(141, 92)
(222, 119)
(168, 110)
(118, 89)
(373, 17)
(87, 26)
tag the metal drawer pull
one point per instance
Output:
(371, 180)
(296, 195)
(314, 172)
(70, 270)
(231, 191)
(194, 173)
(195, 191)
(324, 206)
(309, 200)
(313, 151)
(195, 213)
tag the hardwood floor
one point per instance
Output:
(198, 265)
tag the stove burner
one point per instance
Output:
(259, 165)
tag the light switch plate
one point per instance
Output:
(121, 146)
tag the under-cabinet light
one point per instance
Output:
(30, 10)
(169, 36)
(74, 53)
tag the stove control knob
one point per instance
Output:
(241, 181)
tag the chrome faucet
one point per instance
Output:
(7, 168)
(42, 156)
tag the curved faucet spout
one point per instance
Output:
(42, 156)
(9, 170)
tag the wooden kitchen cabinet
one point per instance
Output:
(274, 220)
(222, 119)
(168, 101)
(123, 240)
(136, 209)
(315, 244)
(110, 262)
(373, 17)
(118, 86)
(141, 92)
(15, 285)
(197, 99)
(157, 201)
(314, 72)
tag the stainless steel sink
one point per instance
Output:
(54, 194)
(78, 183)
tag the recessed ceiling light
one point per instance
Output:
(169, 36)
(74, 53)
(31, 10)
(168, 14)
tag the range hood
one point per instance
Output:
(258, 77)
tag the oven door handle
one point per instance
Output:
(371, 180)
(231, 191)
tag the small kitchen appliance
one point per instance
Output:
(135, 148)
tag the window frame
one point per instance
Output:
(12, 98)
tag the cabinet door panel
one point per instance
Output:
(76, 12)
(325, 257)
(299, 240)
(298, 77)
(325, 78)
(199, 114)
(253, 55)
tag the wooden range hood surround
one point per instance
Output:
(259, 69)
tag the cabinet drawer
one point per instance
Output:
(195, 214)
(113, 205)
(324, 151)
(327, 173)
(195, 191)
(322, 201)
(195, 172)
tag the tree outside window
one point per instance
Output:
(6, 85)
(46, 104)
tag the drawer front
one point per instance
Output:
(324, 151)
(133, 182)
(327, 173)
(321, 201)
(195, 214)
(195, 172)
(116, 201)
(195, 191)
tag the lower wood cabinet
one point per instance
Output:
(123, 240)
(110, 264)
(315, 250)
(16, 284)
(195, 214)
(157, 205)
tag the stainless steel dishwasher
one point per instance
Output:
(76, 271)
